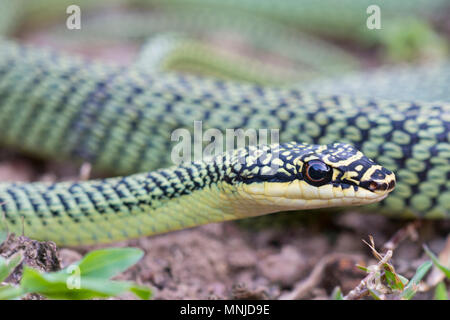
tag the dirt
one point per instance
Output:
(42, 256)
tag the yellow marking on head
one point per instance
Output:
(266, 170)
(290, 166)
(255, 170)
(266, 160)
(325, 191)
(338, 193)
(349, 192)
(299, 163)
(292, 190)
(273, 189)
(368, 174)
(335, 174)
(357, 156)
(311, 157)
(282, 170)
(308, 191)
(278, 162)
(321, 149)
(348, 175)
(266, 197)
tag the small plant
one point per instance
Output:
(440, 292)
(383, 282)
(86, 279)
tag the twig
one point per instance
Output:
(409, 230)
(367, 283)
(305, 286)
(85, 171)
(361, 289)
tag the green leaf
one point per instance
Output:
(56, 285)
(362, 268)
(393, 280)
(10, 292)
(411, 288)
(114, 288)
(106, 263)
(440, 293)
(8, 266)
(375, 294)
(141, 292)
(337, 294)
(88, 278)
(436, 262)
(403, 279)
(4, 271)
(51, 285)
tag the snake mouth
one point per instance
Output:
(298, 195)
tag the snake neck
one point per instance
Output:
(114, 209)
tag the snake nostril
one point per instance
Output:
(391, 184)
(378, 186)
(373, 186)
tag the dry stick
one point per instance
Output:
(85, 171)
(302, 288)
(410, 230)
(361, 288)
(389, 247)
(305, 286)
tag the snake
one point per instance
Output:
(119, 119)
(242, 183)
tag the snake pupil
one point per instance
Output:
(317, 172)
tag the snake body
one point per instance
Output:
(119, 118)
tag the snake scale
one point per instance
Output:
(119, 118)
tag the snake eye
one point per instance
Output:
(317, 173)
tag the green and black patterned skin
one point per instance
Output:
(242, 183)
(120, 119)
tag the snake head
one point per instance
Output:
(295, 176)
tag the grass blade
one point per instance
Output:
(436, 262)
(412, 286)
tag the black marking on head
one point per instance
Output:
(292, 161)
(378, 175)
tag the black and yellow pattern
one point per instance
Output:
(120, 119)
(238, 184)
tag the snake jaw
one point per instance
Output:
(270, 197)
